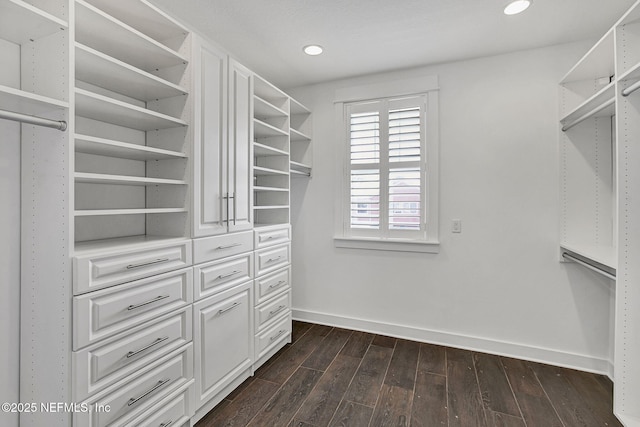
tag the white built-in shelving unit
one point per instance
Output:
(271, 154)
(300, 136)
(132, 114)
(137, 218)
(599, 181)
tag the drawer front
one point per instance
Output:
(216, 247)
(129, 399)
(272, 310)
(271, 259)
(268, 285)
(270, 236)
(214, 277)
(174, 410)
(111, 360)
(99, 271)
(104, 313)
(273, 336)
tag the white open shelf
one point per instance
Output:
(19, 101)
(99, 178)
(598, 62)
(605, 255)
(259, 170)
(147, 19)
(104, 71)
(124, 150)
(100, 31)
(107, 212)
(297, 136)
(270, 207)
(257, 188)
(264, 130)
(109, 110)
(298, 168)
(263, 108)
(21, 22)
(265, 150)
(599, 105)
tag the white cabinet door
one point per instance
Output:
(240, 146)
(223, 340)
(222, 153)
(210, 140)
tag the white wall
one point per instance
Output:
(497, 287)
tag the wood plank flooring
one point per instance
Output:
(332, 377)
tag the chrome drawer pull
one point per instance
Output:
(229, 246)
(282, 331)
(135, 400)
(156, 342)
(156, 299)
(166, 424)
(224, 310)
(224, 276)
(275, 285)
(274, 259)
(277, 310)
(144, 264)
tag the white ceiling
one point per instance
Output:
(370, 36)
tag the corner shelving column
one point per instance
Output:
(587, 153)
(300, 133)
(627, 326)
(271, 154)
(35, 80)
(131, 134)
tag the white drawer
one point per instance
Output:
(100, 270)
(270, 284)
(214, 277)
(273, 258)
(273, 336)
(216, 247)
(270, 236)
(272, 309)
(174, 410)
(131, 397)
(111, 360)
(104, 313)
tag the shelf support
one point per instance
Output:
(33, 120)
(628, 91)
(589, 114)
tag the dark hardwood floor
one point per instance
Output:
(336, 377)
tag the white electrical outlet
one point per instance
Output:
(456, 226)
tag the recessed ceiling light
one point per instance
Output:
(313, 49)
(517, 6)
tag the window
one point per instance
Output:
(389, 190)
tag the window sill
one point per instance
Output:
(396, 245)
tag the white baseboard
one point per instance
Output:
(448, 339)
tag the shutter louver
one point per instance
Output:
(404, 135)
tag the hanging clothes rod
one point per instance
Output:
(634, 87)
(33, 120)
(587, 115)
(590, 266)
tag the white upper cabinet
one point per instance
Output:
(222, 143)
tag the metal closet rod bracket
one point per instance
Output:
(33, 120)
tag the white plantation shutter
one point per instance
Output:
(387, 168)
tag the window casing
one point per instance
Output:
(389, 189)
